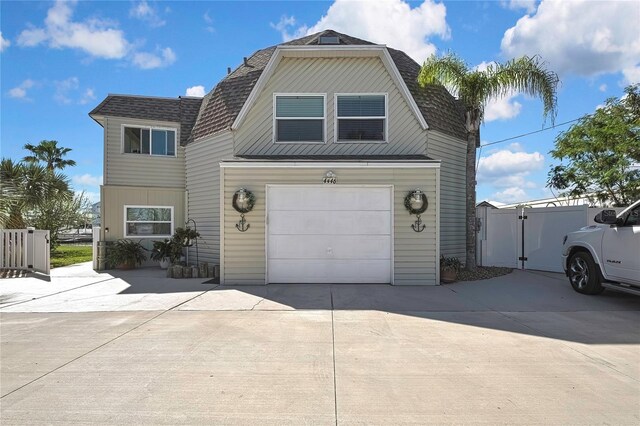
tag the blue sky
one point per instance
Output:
(59, 60)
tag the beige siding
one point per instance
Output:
(137, 169)
(114, 198)
(330, 76)
(452, 153)
(203, 190)
(415, 254)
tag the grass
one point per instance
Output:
(65, 255)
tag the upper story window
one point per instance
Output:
(361, 118)
(299, 118)
(149, 140)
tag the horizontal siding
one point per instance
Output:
(140, 170)
(203, 192)
(452, 152)
(330, 76)
(114, 198)
(415, 253)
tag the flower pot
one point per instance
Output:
(126, 266)
(164, 263)
(448, 276)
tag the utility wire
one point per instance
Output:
(531, 133)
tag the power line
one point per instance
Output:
(531, 133)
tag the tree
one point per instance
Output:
(49, 153)
(24, 190)
(475, 88)
(603, 153)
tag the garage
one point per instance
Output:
(329, 233)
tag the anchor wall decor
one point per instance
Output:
(243, 202)
(416, 203)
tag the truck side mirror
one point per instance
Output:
(607, 217)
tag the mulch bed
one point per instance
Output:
(483, 273)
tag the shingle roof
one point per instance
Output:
(181, 109)
(223, 104)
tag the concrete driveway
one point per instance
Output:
(134, 347)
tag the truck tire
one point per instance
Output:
(583, 274)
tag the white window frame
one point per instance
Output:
(151, 129)
(126, 234)
(324, 117)
(336, 118)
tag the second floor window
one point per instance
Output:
(361, 118)
(149, 140)
(299, 118)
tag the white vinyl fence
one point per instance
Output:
(25, 249)
(528, 238)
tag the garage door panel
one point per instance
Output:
(330, 247)
(329, 223)
(329, 271)
(328, 198)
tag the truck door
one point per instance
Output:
(621, 249)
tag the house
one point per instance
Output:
(324, 137)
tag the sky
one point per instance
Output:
(58, 60)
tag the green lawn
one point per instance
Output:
(69, 254)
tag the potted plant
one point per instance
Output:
(182, 237)
(164, 252)
(126, 254)
(449, 268)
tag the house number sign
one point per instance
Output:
(330, 178)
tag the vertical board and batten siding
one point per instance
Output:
(140, 169)
(415, 254)
(331, 75)
(114, 198)
(203, 192)
(452, 154)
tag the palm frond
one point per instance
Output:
(449, 71)
(527, 75)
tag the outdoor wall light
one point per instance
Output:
(243, 202)
(416, 203)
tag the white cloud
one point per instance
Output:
(4, 43)
(87, 97)
(197, 91)
(392, 22)
(209, 21)
(87, 180)
(507, 162)
(159, 59)
(602, 88)
(581, 37)
(63, 87)
(20, 92)
(528, 5)
(96, 37)
(147, 13)
(508, 170)
(511, 195)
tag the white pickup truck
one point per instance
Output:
(606, 255)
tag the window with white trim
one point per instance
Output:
(148, 221)
(299, 118)
(361, 118)
(149, 141)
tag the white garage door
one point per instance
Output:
(329, 234)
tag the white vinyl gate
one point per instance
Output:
(25, 249)
(527, 238)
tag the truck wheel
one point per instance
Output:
(583, 274)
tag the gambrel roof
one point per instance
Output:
(221, 106)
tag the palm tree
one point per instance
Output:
(475, 88)
(48, 152)
(25, 187)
